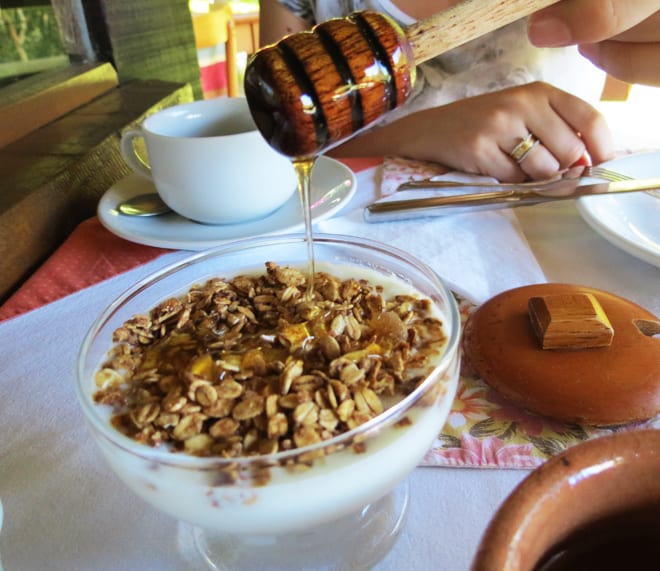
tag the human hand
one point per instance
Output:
(620, 36)
(477, 134)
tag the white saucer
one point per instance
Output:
(630, 221)
(333, 185)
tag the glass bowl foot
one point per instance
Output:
(354, 542)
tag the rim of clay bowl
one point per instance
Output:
(578, 486)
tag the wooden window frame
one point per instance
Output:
(127, 59)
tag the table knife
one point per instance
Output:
(524, 195)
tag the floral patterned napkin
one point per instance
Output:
(397, 170)
(483, 430)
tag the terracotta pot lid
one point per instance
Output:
(606, 384)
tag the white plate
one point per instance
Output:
(629, 221)
(333, 185)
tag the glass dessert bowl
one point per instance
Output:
(307, 467)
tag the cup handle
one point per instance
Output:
(130, 156)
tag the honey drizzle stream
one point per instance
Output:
(303, 168)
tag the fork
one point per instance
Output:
(605, 174)
(575, 172)
(613, 176)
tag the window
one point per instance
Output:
(30, 40)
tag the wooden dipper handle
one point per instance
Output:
(313, 90)
(464, 22)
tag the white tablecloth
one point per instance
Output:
(66, 510)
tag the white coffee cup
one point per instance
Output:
(209, 162)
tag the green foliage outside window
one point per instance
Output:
(28, 34)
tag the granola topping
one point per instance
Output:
(248, 366)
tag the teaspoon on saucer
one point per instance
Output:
(149, 204)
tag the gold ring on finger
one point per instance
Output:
(523, 148)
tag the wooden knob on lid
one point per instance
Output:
(570, 321)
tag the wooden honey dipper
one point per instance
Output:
(312, 90)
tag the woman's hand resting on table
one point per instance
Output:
(478, 134)
(619, 36)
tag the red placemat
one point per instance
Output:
(88, 256)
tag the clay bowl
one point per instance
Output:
(595, 506)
